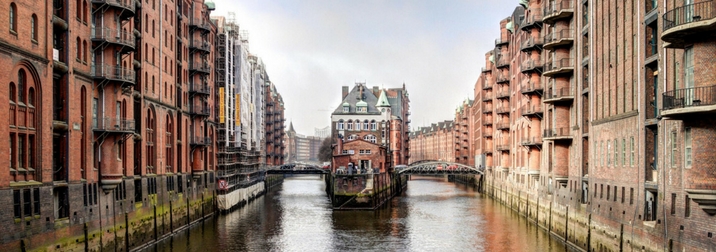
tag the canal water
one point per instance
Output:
(432, 215)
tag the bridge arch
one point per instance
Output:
(432, 167)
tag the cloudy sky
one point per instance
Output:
(313, 47)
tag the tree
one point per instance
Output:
(325, 152)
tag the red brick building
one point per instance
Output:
(434, 142)
(376, 116)
(111, 115)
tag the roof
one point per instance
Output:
(382, 100)
(359, 92)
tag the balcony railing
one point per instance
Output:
(503, 94)
(503, 60)
(112, 124)
(486, 97)
(553, 67)
(199, 67)
(503, 78)
(503, 147)
(487, 85)
(114, 36)
(531, 87)
(530, 65)
(197, 110)
(200, 89)
(503, 126)
(200, 45)
(557, 10)
(689, 13)
(486, 69)
(502, 110)
(532, 43)
(116, 73)
(558, 38)
(502, 41)
(689, 97)
(202, 141)
(124, 4)
(528, 110)
(535, 140)
(534, 18)
(564, 93)
(199, 23)
(557, 133)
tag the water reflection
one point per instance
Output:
(432, 215)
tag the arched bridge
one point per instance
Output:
(296, 168)
(433, 167)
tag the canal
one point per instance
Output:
(432, 215)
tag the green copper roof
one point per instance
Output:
(510, 26)
(382, 100)
(345, 104)
(210, 5)
(361, 104)
(524, 3)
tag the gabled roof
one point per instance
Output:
(383, 100)
(354, 97)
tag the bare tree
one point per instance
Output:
(325, 152)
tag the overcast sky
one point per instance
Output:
(313, 47)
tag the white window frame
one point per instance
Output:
(688, 138)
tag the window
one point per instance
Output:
(17, 208)
(36, 201)
(609, 150)
(631, 196)
(623, 152)
(33, 28)
(352, 137)
(687, 206)
(346, 109)
(616, 152)
(13, 18)
(349, 125)
(372, 125)
(365, 125)
(673, 203)
(631, 157)
(673, 149)
(687, 147)
(339, 126)
(689, 76)
(370, 138)
(27, 202)
(21, 86)
(78, 50)
(357, 124)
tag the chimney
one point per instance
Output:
(376, 91)
(345, 91)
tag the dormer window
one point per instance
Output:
(345, 109)
(362, 109)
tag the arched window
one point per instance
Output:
(349, 125)
(31, 96)
(365, 125)
(21, 78)
(352, 137)
(79, 9)
(33, 28)
(85, 11)
(78, 50)
(84, 50)
(372, 125)
(13, 18)
(357, 124)
(339, 126)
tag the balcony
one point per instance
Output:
(199, 89)
(199, 24)
(487, 85)
(503, 147)
(486, 97)
(533, 110)
(200, 141)
(502, 110)
(200, 45)
(503, 78)
(557, 10)
(562, 37)
(487, 149)
(502, 41)
(564, 133)
(531, 65)
(487, 122)
(558, 95)
(197, 67)
(125, 76)
(114, 125)
(685, 24)
(556, 67)
(686, 101)
(199, 111)
(531, 88)
(534, 141)
(503, 126)
(124, 40)
(503, 60)
(532, 43)
(486, 69)
(126, 8)
(534, 19)
(503, 94)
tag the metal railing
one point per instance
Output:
(114, 36)
(503, 60)
(531, 64)
(689, 13)
(558, 64)
(198, 140)
(501, 94)
(531, 87)
(501, 126)
(557, 132)
(114, 124)
(503, 77)
(200, 44)
(126, 4)
(689, 97)
(558, 93)
(200, 23)
(113, 73)
(559, 35)
(503, 147)
(532, 42)
(486, 97)
(530, 110)
(198, 110)
(534, 17)
(557, 7)
(502, 110)
(532, 140)
(198, 66)
(198, 88)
